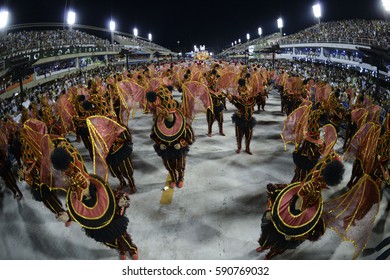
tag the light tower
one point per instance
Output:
(280, 25)
(386, 7)
(112, 29)
(4, 15)
(3, 18)
(71, 19)
(317, 12)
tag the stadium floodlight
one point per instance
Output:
(150, 36)
(280, 25)
(235, 42)
(3, 18)
(386, 5)
(135, 32)
(232, 44)
(317, 11)
(239, 41)
(71, 19)
(112, 29)
(112, 26)
(248, 36)
(260, 31)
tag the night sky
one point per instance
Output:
(215, 24)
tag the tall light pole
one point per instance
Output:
(280, 25)
(112, 29)
(386, 6)
(150, 37)
(248, 36)
(3, 21)
(239, 41)
(71, 19)
(317, 12)
(260, 31)
(3, 18)
(135, 32)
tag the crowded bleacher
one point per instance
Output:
(25, 40)
(370, 32)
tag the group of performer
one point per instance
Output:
(99, 115)
(53, 168)
(297, 211)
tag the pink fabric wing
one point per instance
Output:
(330, 139)
(363, 146)
(352, 214)
(228, 82)
(66, 113)
(103, 132)
(295, 126)
(196, 98)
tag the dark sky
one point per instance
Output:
(214, 24)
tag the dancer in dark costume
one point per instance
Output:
(92, 203)
(294, 211)
(172, 135)
(6, 168)
(215, 113)
(31, 136)
(243, 118)
(308, 152)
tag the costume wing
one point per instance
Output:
(359, 116)
(294, 85)
(196, 98)
(352, 214)
(33, 131)
(374, 113)
(257, 83)
(228, 82)
(363, 146)
(154, 84)
(322, 92)
(198, 76)
(295, 126)
(330, 139)
(167, 82)
(103, 132)
(66, 113)
(131, 94)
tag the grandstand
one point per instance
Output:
(45, 50)
(346, 42)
